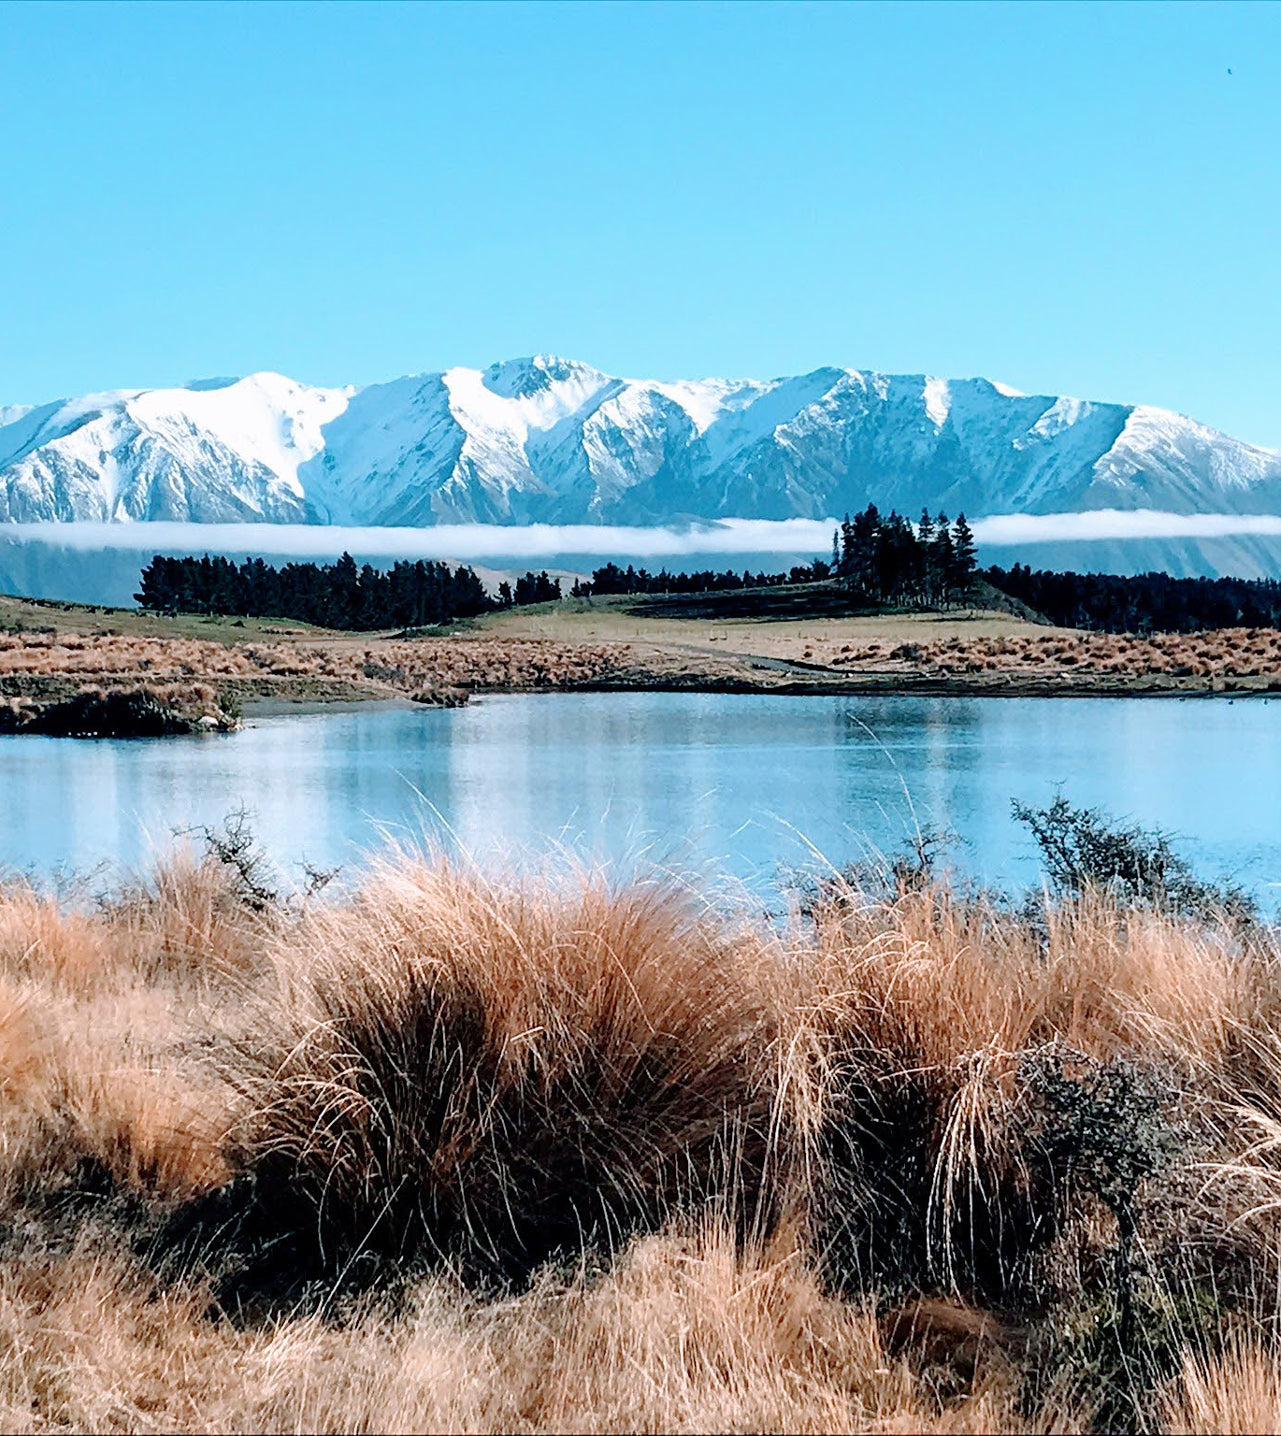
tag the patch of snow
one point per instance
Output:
(708, 400)
(938, 401)
(264, 419)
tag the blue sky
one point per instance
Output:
(1074, 199)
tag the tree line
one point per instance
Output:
(1141, 603)
(930, 564)
(612, 579)
(336, 595)
(530, 588)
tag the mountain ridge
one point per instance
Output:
(552, 440)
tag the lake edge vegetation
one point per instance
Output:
(455, 1150)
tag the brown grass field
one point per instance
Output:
(448, 1152)
(49, 652)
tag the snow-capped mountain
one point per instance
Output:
(547, 440)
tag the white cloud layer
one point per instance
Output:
(1100, 524)
(454, 541)
(478, 542)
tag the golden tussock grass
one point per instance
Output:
(193, 671)
(1222, 653)
(1237, 1391)
(449, 1152)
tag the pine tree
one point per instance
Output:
(944, 565)
(964, 563)
(865, 533)
(925, 540)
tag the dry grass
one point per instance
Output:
(583, 646)
(192, 671)
(545, 1155)
(975, 647)
(1238, 1392)
(615, 619)
(1178, 659)
(686, 1333)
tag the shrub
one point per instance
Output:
(1082, 848)
(1102, 1129)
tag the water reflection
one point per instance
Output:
(742, 782)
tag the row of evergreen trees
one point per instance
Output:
(611, 579)
(1142, 603)
(927, 565)
(887, 559)
(336, 595)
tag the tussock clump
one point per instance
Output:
(914, 1033)
(190, 923)
(494, 1077)
(108, 1016)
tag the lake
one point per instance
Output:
(738, 783)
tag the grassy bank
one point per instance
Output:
(457, 1153)
(592, 645)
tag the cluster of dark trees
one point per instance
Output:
(336, 595)
(1143, 603)
(530, 588)
(930, 564)
(613, 579)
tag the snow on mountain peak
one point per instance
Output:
(523, 378)
(938, 401)
(548, 439)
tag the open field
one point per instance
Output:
(636, 620)
(30, 615)
(454, 1152)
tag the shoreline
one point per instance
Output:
(213, 678)
(880, 686)
(894, 686)
(297, 696)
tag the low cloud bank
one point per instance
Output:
(99, 562)
(546, 541)
(1109, 524)
(454, 541)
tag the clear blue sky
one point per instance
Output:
(1074, 199)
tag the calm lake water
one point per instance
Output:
(742, 784)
